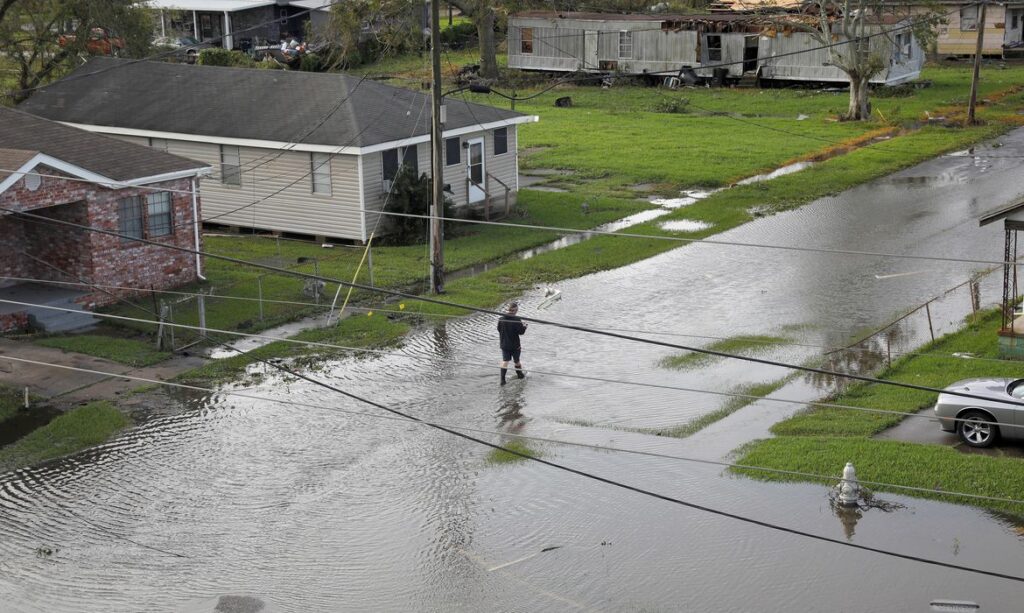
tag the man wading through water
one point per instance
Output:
(510, 328)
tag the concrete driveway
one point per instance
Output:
(920, 430)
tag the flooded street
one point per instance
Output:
(325, 509)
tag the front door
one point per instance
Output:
(590, 61)
(1014, 27)
(475, 170)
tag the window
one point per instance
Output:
(452, 151)
(158, 143)
(903, 47)
(969, 18)
(230, 165)
(1015, 21)
(321, 165)
(500, 141)
(625, 45)
(714, 44)
(129, 217)
(158, 214)
(391, 164)
(526, 40)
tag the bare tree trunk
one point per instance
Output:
(860, 108)
(485, 32)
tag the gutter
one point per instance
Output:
(195, 228)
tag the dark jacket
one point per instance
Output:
(510, 328)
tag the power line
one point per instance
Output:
(642, 491)
(597, 232)
(390, 292)
(313, 305)
(653, 454)
(627, 487)
(325, 345)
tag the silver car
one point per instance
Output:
(977, 421)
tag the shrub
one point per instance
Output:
(225, 57)
(410, 195)
(459, 35)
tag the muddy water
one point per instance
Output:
(322, 510)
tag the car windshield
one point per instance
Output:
(187, 40)
(1015, 389)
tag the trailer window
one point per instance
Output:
(526, 40)
(969, 18)
(625, 45)
(714, 47)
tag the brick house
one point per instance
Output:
(65, 174)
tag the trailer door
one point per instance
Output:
(590, 61)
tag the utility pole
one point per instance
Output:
(977, 65)
(436, 163)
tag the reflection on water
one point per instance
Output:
(325, 508)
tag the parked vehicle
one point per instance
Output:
(977, 422)
(186, 48)
(101, 41)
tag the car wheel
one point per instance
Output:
(190, 56)
(975, 433)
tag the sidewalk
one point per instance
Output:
(69, 386)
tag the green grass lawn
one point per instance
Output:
(747, 345)
(73, 431)
(130, 352)
(821, 440)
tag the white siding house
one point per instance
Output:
(315, 162)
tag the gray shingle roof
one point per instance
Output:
(100, 154)
(273, 105)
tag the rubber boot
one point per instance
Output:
(503, 372)
(519, 371)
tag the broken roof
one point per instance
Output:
(279, 106)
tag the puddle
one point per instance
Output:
(686, 198)
(685, 225)
(24, 422)
(778, 172)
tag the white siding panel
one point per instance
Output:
(295, 208)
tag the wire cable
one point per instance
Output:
(526, 437)
(647, 492)
(598, 232)
(557, 324)
(333, 346)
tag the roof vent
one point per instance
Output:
(32, 182)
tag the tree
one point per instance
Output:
(385, 26)
(31, 35)
(856, 33)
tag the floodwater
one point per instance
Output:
(319, 509)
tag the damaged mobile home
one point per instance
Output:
(737, 45)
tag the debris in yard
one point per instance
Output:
(802, 117)
(563, 102)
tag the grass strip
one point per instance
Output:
(500, 456)
(11, 401)
(735, 403)
(73, 431)
(821, 439)
(745, 345)
(130, 352)
(364, 330)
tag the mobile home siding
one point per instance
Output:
(559, 44)
(266, 171)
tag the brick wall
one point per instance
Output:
(92, 256)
